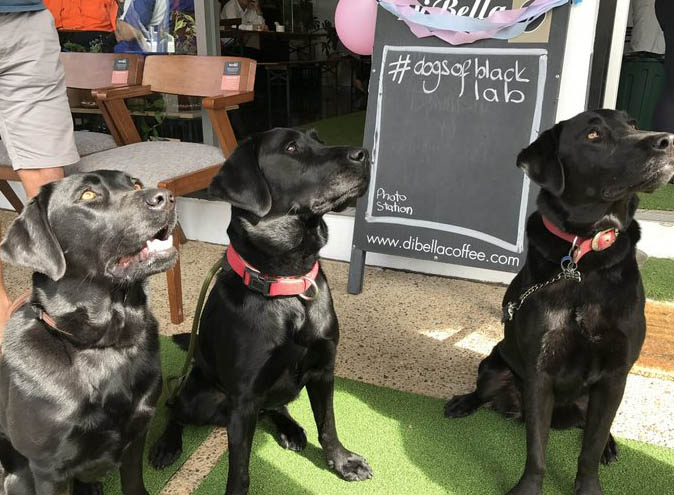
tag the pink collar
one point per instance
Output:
(581, 246)
(272, 286)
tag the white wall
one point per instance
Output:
(577, 59)
(616, 58)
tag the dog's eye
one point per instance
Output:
(593, 135)
(634, 125)
(137, 186)
(88, 195)
(291, 147)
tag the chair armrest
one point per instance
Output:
(116, 114)
(191, 182)
(120, 92)
(216, 107)
(227, 99)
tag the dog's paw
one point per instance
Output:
(460, 406)
(528, 485)
(610, 453)
(165, 452)
(588, 486)
(81, 488)
(525, 490)
(350, 466)
(292, 438)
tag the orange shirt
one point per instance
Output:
(84, 15)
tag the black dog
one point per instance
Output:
(79, 371)
(568, 347)
(255, 353)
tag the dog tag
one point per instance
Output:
(231, 76)
(570, 269)
(120, 71)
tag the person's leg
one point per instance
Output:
(663, 118)
(34, 178)
(35, 122)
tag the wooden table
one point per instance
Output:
(240, 36)
(187, 114)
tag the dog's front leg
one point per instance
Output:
(350, 466)
(539, 402)
(46, 485)
(131, 470)
(240, 433)
(605, 398)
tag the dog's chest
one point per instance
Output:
(306, 353)
(580, 343)
(118, 404)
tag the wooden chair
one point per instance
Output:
(83, 71)
(180, 167)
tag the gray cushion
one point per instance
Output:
(93, 142)
(152, 161)
(86, 142)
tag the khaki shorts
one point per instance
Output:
(35, 122)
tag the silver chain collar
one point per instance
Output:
(569, 272)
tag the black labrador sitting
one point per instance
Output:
(80, 372)
(568, 346)
(256, 352)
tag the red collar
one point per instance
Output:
(581, 246)
(271, 286)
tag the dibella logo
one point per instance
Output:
(477, 9)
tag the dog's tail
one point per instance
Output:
(182, 340)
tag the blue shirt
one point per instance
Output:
(140, 15)
(21, 5)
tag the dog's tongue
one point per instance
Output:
(151, 246)
(155, 245)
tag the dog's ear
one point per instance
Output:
(240, 181)
(30, 241)
(541, 162)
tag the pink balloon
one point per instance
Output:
(355, 22)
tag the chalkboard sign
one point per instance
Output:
(444, 126)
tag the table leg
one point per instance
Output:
(269, 99)
(288, 96)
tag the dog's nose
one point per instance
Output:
(359, 155)
(159, 198)
(663, 142)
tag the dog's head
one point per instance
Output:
(290, 172)
(98, 224)
(598, 156)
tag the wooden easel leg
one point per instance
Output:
(178, 231)
(11, 196)
(175, 287)
(356, 271)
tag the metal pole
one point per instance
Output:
(207, 19)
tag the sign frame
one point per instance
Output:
(383, 46)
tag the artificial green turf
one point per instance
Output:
(658, 277)
(346, 130)
(413, 450)
(172, 358)
(662, 199)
